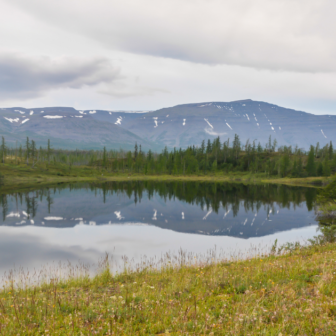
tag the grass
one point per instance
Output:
(289, 294)
(17, 176)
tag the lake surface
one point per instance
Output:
(72, 222)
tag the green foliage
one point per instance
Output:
(212, 157)
(311, 168)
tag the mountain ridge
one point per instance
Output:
(177, 126)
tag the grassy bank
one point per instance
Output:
(292, 294)
(17, 176)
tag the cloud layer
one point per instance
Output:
(25, 77)
(292, 35)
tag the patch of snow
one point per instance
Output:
(53, 218)
(52, 117)
(31, 113)
(119, 120)
(162, 122)
(19, 111)
(79, 116)
(184, 122)
(167, 115)
(42, 111)
(81, 112)
(247, 116)
(211, 132)
(272, 128)
(182, 215)
(32, 222)
(156, 123)
(279, 128)
(23, 121)
(271, 124)
(208, 213)
(208, 122)
(118, 215)
(257, 124)
(93, 112)
(245, 221)
(243, 104)
(13, 214)
(154, 215)
(228, 126)
(12, 120)
(323, 134)
(22, 222)
(25, 213)
(226, 213)
(92, 223)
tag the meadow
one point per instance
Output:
(289, 291)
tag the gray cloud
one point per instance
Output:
(28, 251)
(122, 91)
(25, 77)
(291, 35)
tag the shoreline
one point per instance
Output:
(260, 295)
(37, 177)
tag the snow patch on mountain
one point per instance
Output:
(12, 120)
(52, 117)
(208, 122)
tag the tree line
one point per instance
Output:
(210, 157)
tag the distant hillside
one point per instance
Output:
(177, 126)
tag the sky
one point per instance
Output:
(149, 54)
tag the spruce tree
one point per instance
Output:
(311, 168)
(331, 151)
(3, 150)
(326, 167)
(27, 150)
(320, 169)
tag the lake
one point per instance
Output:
(83, 221)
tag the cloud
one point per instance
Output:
(123, 91)
(29, 251)
(291, 35)
(24, 77)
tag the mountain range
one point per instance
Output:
(177, 126)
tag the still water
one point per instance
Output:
(83, 221)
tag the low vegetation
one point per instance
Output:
(288, 294)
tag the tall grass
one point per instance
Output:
(288, 294)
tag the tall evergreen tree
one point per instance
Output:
(3, 150)
(331, 150)
(311, 168)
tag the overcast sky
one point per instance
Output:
(148, 54)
